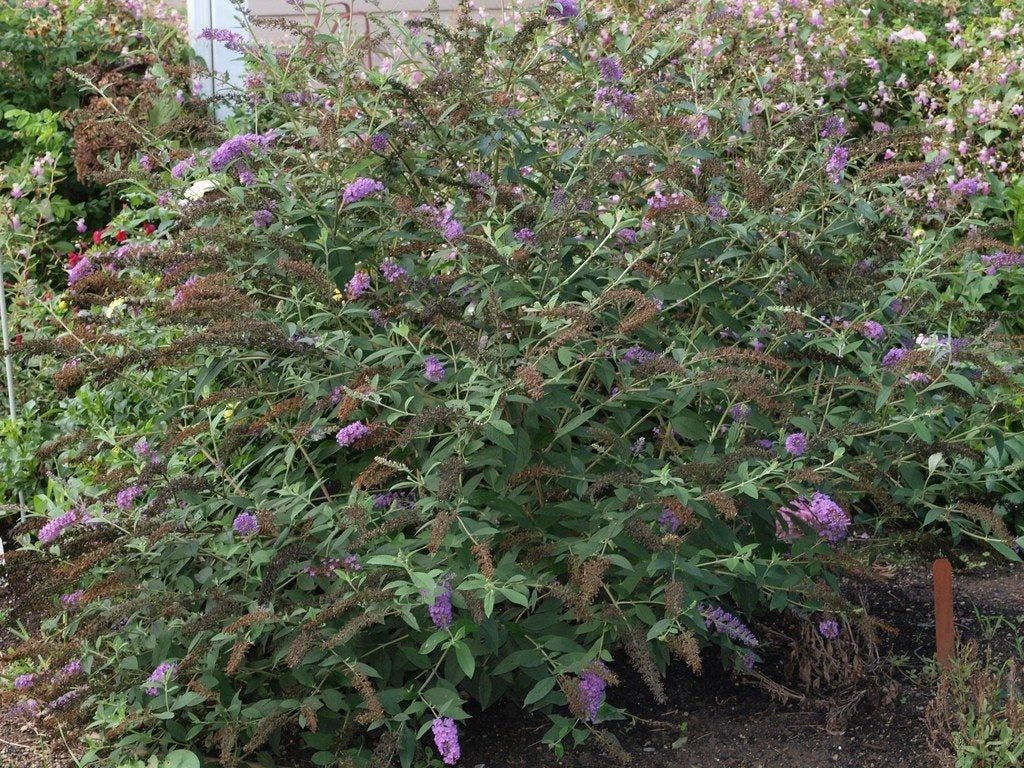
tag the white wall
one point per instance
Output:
(356, 16)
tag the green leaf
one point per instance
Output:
(181, 758)
(465, 658)
(539, 691)
(883, 395)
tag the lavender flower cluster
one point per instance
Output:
(360, 189)
(246, 524)
(242, 146)
(819, 514)
(352, 433)
(399, 499)
(443, 220)
(164, 673)
(446, 739)
(592, 689)
(440, 609)
(52, 531)
(720, 620)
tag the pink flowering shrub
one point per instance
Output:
(518, 377)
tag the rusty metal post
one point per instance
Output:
(942, 582)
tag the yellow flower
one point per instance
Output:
(338, 296)
(62, 305)
(113, 306)
(227, 413)
(917, 233)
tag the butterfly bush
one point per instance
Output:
(566, 346)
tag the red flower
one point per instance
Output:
(121, 236)
(148, 228)
(74, 258)
(97, 236)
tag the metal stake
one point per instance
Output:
(9, 366)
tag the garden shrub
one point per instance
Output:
(52, 126)
(536, 351)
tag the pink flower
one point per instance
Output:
(359, 189)
(53, 529)
(358, 285)
(796, 444)
(819, 513)
(352, 433)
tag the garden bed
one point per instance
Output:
(733, 723)
(717, 719)
(456, 397)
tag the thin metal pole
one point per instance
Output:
(9, 366)
(8, 360)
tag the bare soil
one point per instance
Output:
(734, 724)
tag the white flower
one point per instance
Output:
(199, 189)
(910, 35)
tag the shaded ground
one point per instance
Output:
(728, 723)
(21, 745)
(737, 725)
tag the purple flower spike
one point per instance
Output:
(441, 608)
(237, 147)
(837, 164)
(127, 496)
(638, 356)
(246, 524)
(53, 529)
(724, 623)
(72, 599)
(819, 513)
(592, 688)
(359, 189)
(358, 285)
(446, 738)
(669, 521)
(82, 269)
(610, 68)
(393, 272)
(796, 444)
(563, 9)
(894, 357)
(233, 41)
(24, 682)
(181, 169)
(165, 672)
(834, 128)
(829, 629)
(262, 218)
(433, 370)
(872, 330)
(352, 433)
